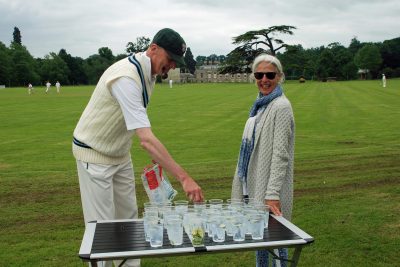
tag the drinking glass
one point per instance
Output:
(218, 226)
(228, 218)
(181, 206)
(256, 223)
(175, 231)
(200, 205)
(264, 210)
(156, 233)
(148, 216)
(239, 227)
(216, 203)
(196, 228)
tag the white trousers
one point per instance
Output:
(108, 193)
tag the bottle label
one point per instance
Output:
(152, 179)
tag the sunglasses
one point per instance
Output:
(260, 75)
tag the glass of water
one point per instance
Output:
(196, 230)
(216, 203)
(239, 227)
(218, 227)
(264, 210)
(155, 232)
(175, 231)
(256, 223)
(148, 216)
(181, 206)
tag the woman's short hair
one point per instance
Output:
(269, 59)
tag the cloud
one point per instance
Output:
(82, 27)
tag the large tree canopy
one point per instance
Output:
(17, 36)
(369, 58)
(142, 43)
(189, 61)
(75, 64)
(265, 37)
(253, 43)
(24, 70)
(53, 68)
(390, 51)
(6, 65)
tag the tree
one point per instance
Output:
(369, 58)
(189, 60)
(336, 61)
(253, 43)
(311, 64)
(53, 68)
(119, 57)
(24, 68)
(294, 62)
(6, 65)
(325, 65)
(251, 38)
(95, 65)
(213, 58)
(355, 45)
(221, 59)
(200, 60)
(239, 60)
(106, 53)
(345, 67)
(142, 43)
(17, 36)
(75, 65)
(390, 51)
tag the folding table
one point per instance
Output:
(124, 239)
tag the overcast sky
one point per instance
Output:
(82, 27)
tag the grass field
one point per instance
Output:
(347, 171)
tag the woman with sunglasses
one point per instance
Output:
(264, 170)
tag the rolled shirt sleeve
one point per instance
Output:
(129, 96)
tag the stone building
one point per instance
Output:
(180, 77)
(208, 74)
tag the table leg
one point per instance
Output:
(296, 256)
(122, 263)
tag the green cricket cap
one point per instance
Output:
(173, 43)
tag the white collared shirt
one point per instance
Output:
(128, 93)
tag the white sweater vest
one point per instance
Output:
(102, 125)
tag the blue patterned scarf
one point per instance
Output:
(247, 145)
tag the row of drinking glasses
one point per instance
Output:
(215, 218)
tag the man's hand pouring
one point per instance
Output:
(192, 189)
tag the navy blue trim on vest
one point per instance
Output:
(135, 62)
(79, 143)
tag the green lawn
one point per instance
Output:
(347, 171)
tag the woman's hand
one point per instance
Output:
(274, 206)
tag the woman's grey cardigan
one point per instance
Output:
(270, 172)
